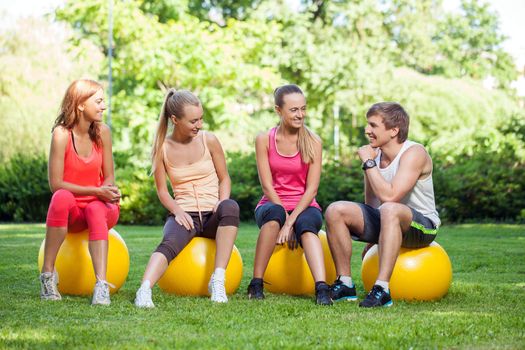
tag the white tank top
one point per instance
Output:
(421, 197)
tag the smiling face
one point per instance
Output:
(191, 122)
(377, 133)
(93, 108)
(293, 110)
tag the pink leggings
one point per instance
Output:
(97, 216)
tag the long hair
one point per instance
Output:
(76, 94)
(307, 138)
(173, 105)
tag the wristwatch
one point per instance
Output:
(369, 163)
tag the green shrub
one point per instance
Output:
(139, 203)
(24, 189)
(485, 187)
(340, 182)
(246, 189)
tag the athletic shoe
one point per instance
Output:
(377, 297)
(341, 291)
(101, 294)
(255, 289)
(143, 298)
(217, 290)
(322, 294)
(48, 286)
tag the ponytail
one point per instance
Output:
(305, 144)
(173, 106)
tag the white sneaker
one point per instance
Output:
(143, 298)
(48, 286)
(101, 293)
(217, 290)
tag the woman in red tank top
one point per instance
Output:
(289, 167)
(81, 177)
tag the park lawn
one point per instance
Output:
(485, 307)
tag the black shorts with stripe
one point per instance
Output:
(421, 233)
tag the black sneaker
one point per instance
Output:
(322, 294)
(342, 292)
(255, 289)
(377, 298)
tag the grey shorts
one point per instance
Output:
(421, 233)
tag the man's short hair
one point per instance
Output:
(394, 116)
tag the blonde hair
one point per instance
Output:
(77, 93)
(307, 138)
(173, 105)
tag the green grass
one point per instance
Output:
(485, 307)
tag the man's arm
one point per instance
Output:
(411, 167)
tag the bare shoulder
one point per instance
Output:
(104, 130)
(316, 137)
(416, 154)
(318, 142)
(60, 134)
(262, 138)
(105, 134)
(212, 141)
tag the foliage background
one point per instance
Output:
(232, 54)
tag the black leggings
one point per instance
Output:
(176, 236)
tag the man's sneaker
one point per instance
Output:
(143, 298)
(377, 297)
(340, 291)
(48, 286)
(322, 294)
(101, 293)
(255, 289)
(217, 290)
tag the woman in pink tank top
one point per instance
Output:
(82, 179)
(289, 166)
(194, 163)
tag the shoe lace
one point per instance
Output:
(103, 290)
(49, 285)
(218, 287)
(376, 292)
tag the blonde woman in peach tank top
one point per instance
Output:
(194, 163)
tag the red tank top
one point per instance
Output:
(83, 171)
(289, 175)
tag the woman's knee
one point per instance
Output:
(62, 199)
(228, 207)
(96, 208)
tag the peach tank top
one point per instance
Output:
(195, 186)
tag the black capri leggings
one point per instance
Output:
(176, 236)
(310, 220)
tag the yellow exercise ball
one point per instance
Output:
(75, 269)
(190, 271)
(419, 274)
(288, 271)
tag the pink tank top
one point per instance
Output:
(83, 171)
(289, 175)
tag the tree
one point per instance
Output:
(37, 63)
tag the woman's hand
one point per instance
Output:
(108, 193)
(216, 206)
(285, 233)
(366, 249)
(184, 219)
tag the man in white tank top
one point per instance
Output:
(399, 207)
